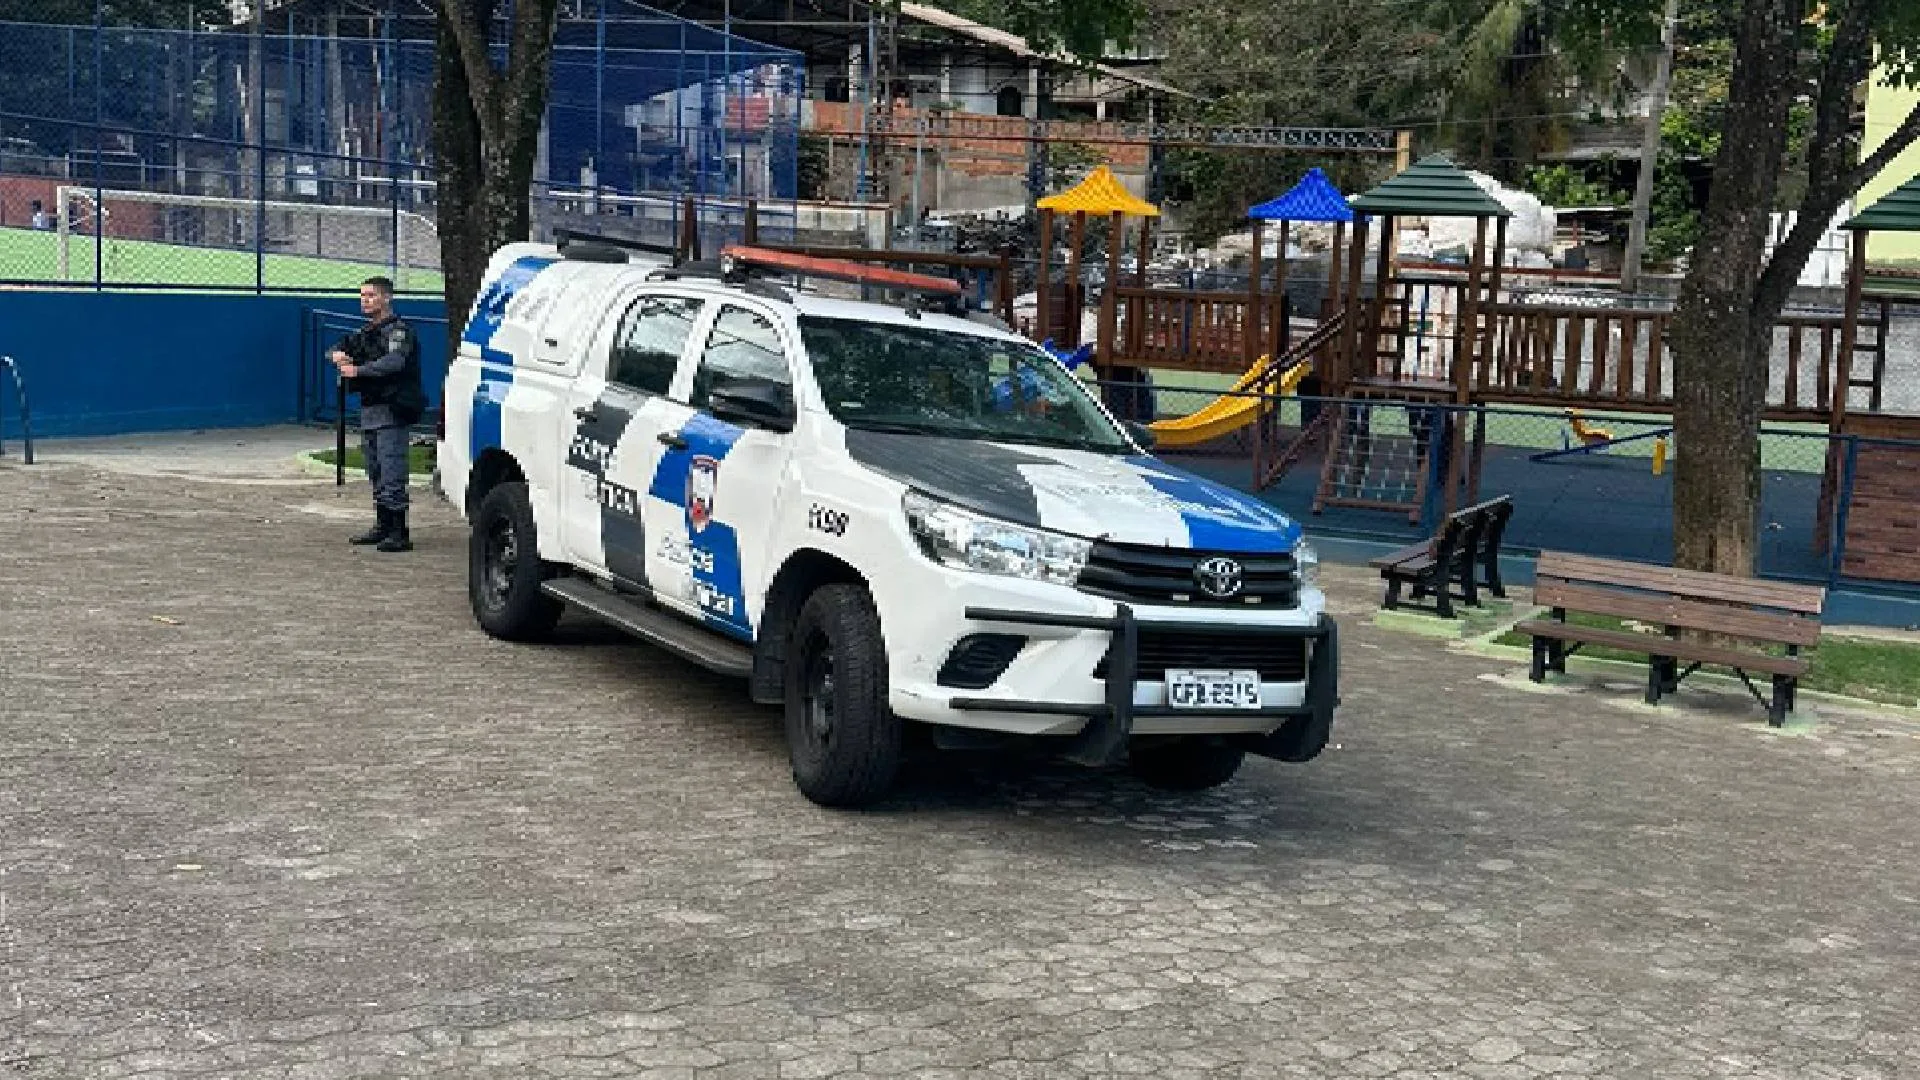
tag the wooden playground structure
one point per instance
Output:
(1426, 343)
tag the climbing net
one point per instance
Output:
(1378, 454)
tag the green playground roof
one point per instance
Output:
(1432, 187)
(1896, 211)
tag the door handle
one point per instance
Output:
(672, 439)
(587, 413)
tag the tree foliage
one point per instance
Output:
(1081, 28)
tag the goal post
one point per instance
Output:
(383, 238)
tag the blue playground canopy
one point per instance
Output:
(1314, 198)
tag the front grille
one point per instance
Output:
(1277, 659)
(1166, 576)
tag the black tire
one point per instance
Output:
(504, 570)
(1193, 764)
(842, 739)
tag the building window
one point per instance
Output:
(1010, 102)
(837, 89)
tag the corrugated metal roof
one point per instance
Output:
(1896, 211)
(1433, 187)
(1100, 193)
(1018, 46)
(1314, 198)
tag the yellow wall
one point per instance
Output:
(1886, 107)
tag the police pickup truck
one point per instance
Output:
(877, 513)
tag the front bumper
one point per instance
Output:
(1300, 736)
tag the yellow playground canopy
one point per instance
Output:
(1100, 193)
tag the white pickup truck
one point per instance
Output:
(876, 513)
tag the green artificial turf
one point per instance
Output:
(28, 255)
(419, 459)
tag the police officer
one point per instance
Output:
(381, 363)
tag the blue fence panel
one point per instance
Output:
(111, 363)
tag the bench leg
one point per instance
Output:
(1443, 597)
(1469, 588)
(1494, 584)
(1656, 680)
(1538, 673)
(1392, 599)
(1783, 686)
(1557, 657)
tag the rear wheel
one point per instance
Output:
(1190, 764)
(843, 740)
(504, 570)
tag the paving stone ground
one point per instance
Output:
(273, 807)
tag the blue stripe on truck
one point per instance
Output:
(496, 367)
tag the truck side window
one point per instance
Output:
(742, 345)
(647, 347)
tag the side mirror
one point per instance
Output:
(760, 403)
(1141, 433)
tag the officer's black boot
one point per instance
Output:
(383, 525)
(396, 538)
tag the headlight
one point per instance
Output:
(969, 541)
(1308, 562)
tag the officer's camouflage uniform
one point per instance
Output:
(387, 356)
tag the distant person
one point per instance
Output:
(381, 363)
(41, 219)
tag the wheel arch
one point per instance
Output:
(805, 570)
(492, 468)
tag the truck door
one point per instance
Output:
(619, 407)
(716, 491)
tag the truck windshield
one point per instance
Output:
(886, 377)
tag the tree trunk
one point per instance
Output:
(1722, 351)
(458, 176)
(486, 136)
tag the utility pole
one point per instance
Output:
(1649, 153)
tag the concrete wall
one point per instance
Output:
(1886, 107)
(115, 363)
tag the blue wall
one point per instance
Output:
(113, 363)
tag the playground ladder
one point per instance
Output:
(1269, 472)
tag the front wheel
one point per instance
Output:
(843, 740)
(504, 569)
(1190, 764)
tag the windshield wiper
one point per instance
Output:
(898, 427)
(1061, 441)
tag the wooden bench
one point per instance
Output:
(1462, 558)
(1745, 615)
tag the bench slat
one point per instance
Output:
(1656, 645)
(1411, 551)
(1676, 611)
(1695, 584)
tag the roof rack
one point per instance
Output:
(712, 270)
(598, 247)
(747, 258)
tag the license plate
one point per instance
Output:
(1189, 689)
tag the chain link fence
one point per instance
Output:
(1598, 483)
(211, 159)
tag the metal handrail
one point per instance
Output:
(26, 414)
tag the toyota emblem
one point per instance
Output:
(1218, 577)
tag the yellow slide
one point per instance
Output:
(1226, 413)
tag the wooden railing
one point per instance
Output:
(1194, 331)
(1607, 357)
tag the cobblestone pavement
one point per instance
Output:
(271, 806)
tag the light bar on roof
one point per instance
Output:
(838, 270)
